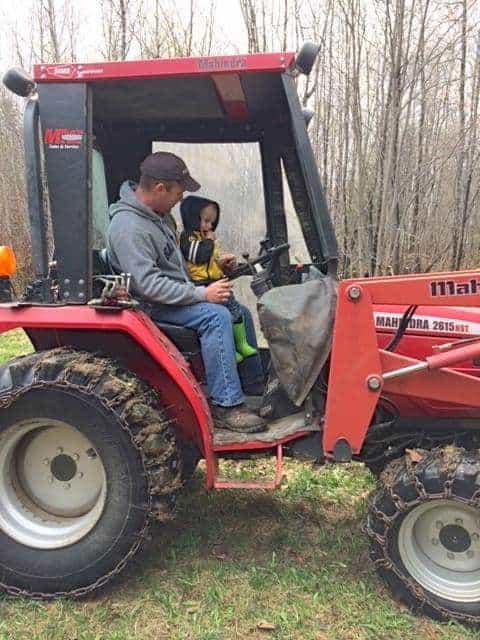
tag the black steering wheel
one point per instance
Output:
(265, 260)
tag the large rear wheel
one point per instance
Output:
(424, 530)
(87, 455)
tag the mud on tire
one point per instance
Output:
(88, 456)
(424, 530)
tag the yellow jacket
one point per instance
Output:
(200, 257)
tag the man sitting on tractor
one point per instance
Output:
(140, 242)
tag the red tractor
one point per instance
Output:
(102, 424)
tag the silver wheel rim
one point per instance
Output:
(52, 484)
(439, 544)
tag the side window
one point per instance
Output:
(298, 248)
(99, 201)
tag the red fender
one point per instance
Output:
(146, 351)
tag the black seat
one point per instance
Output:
(184, 339)
(101, 263)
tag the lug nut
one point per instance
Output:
(50, 479)
(458, 521)
(470, 553)
(80, 475)
(67, 485)
(451, 555)
(46, 461)
(475, 537)
(59, 449)
(434, 541)
(76, 457)
(439, 524)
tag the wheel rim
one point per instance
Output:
(52, 484)
(439, 544)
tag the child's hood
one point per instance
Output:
(190, 212)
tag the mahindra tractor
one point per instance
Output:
(106, 420)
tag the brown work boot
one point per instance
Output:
(237, 418)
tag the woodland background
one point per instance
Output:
(395, 93)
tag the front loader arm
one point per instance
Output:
(360, 372)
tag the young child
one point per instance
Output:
(205, 264)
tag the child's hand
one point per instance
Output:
(227, 261)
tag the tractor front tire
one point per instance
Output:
(87, 456)
(424, 530)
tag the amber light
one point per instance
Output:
(8, 262)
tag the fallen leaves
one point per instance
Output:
(263, 625)
(414, 454)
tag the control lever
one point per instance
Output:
(251, 268)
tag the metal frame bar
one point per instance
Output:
(100, 71)
(35, 195)
(269, 485)
(65, 115)
(277, 230)
(311, 208)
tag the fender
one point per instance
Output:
(131, 337)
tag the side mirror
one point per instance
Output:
(308, 115)
(305, 58)
(18, 82)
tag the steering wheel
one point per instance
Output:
(265, 260)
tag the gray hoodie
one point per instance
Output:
(141, 243)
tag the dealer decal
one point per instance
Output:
(66, 72)
(63, 138)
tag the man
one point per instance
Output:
(142, 243)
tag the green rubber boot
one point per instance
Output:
(240, 337)
(238, 357)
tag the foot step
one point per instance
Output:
(226, 483)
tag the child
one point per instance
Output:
(204, 263)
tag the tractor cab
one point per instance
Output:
(88, 127)
(98, 121)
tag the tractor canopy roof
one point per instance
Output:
(225, 98)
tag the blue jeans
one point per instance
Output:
(213, 324)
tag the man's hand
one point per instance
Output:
(227, 261)
(218, 291)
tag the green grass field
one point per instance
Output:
(290, 565)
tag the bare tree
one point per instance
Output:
(164, 31)
(118, 21)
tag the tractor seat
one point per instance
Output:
(184, 339)
(101, 263)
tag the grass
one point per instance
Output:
(288, 565)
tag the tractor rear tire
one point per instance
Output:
(424, 530)
(87, 457)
